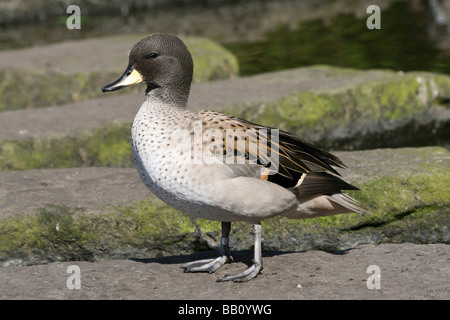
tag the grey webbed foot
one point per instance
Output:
(206, 265)
(211, 265)
(244, 276)
(257, 266)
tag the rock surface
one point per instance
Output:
(407, 271)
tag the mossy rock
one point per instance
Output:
(389, 110)
(24, 89)
(105, 146)
(63, 73)
(409, 201)
(211, 60)
(404, 109)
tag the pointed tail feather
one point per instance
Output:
(316, 183)
(347, 202)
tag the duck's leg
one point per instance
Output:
(257, 266)
(211, 265)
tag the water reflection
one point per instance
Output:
(401, 44)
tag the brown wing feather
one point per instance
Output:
(241, 140)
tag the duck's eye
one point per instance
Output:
(151, 55)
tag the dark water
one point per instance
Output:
(402, 43)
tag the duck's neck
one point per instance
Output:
(176, 97)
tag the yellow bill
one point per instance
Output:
(130, 77)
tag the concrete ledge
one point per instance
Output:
(408, 271)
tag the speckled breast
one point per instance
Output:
(162, 155)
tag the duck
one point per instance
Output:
(219, 167)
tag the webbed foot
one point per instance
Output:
(206, 265)
(244, 276)
(256, 267)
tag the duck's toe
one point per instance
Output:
(244, 276)
(206, 265)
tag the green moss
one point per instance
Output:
(394, 98)
(427, 224)
(58, 225)
(65, 233)
(109, 146)
(391, 195)
(301, 110)
(152, 220)
(17, 232)
(22, 89)
(211, 61)
(388, 199)
(52, 230)
(159, 220)
(442, 85)
(106, 146)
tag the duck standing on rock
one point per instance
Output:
(220, 167)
